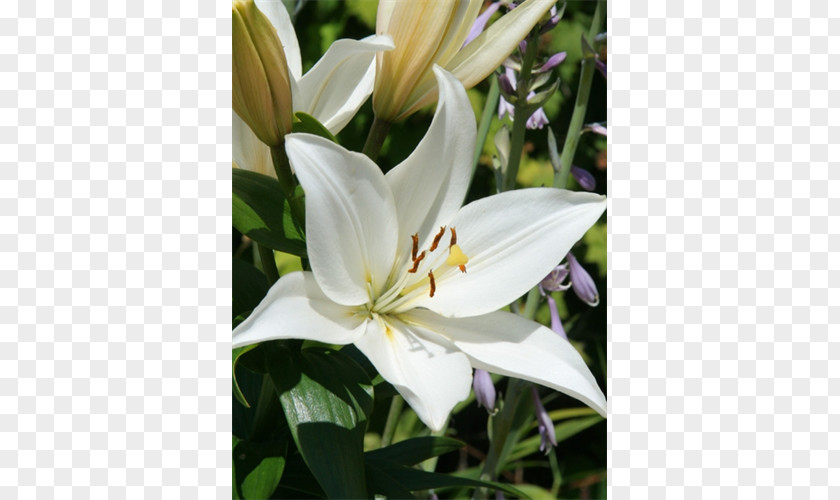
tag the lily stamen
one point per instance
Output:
(431, 284)
(437, 239)
(417, 261)
(414, 243)
(454, 238)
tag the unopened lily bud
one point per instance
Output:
(582, 282)
(584, 178)
(544, 424)
(262, 94)
(485, 391)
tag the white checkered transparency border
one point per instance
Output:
(722, 126)
(115, 148)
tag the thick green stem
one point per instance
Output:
(531, 303)
(581, 101)
(391, 423)
(520, 115)
(376, 138)
(269, 266)
(490, 107)
(502, 423)
(288, 183)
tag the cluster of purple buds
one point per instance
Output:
(540, 74)
(564, 276)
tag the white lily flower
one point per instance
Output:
(414, 280)
(429, 32)
(332, 91)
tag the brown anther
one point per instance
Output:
(463, 268)
(414, 242)
(417, 261)
(437, 239)
(454, 238)
(431, 284)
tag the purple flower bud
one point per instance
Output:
(584, 178)
(552, 22)
(507, 81)
(556, 324)
(505, 107)
(485, 391)
(551, 63)
(582, 282)
(601, 67)
(481, 22)
(554, 281)
(523, 46)
(544, 423)
(537, 120)
(596, 127)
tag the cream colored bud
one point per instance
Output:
(262, 95)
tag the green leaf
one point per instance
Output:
(562, 431)
(236, 354)
(261, 211)
(326, 398)
(414, 451)
(311, 125)
(259, 467)
(233, 469)
(249, 286)
(535, 492)
(416, 479)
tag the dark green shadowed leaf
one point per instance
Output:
(236, 354)
(416, 479)
(414, 451)
(259, 468)
(249, 286)
(310, 125)
(261, 212)
(326, 398)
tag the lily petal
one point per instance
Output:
(513, 240)
(249, 152)
(429, 186)
(507, 344)
(484, 54)
(296, 308)
(432, 378)
(276, 12)
(351, 225)
(340, 82)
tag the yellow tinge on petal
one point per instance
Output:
(262, 94)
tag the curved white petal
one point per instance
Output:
(295, 308)
(276, 12)
(249, 152)
(432, 378)
(484, 54)
(507, 344)
(513, 240)
(351, 223)
(340, 82)
(429, 186)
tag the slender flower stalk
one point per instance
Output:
(414, 280)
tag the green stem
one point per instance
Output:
(531, 303)
(490, 106)
(502, 424)
(391, 423)
(581, 101)
(266, 412)
(288, 183)
(269, 266)
(376, 138)
(520, 114)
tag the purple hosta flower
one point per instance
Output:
(582, 282)
(601, 66)
(507, 81)
(552, 21)
(544, 424)
(596, 127)
(481, 22)
(584, 178)
(554, 282)
(485, 391)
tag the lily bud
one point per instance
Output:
(262, 94)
